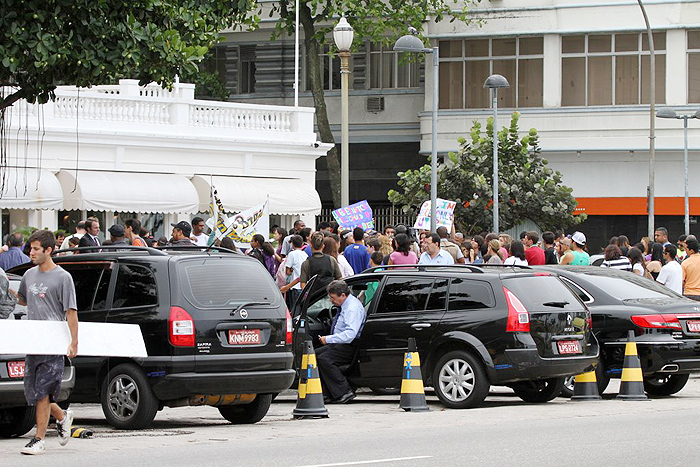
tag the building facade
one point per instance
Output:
(579, 73)
(123, 151)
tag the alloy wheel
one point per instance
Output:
(456, 380)
(123, 397)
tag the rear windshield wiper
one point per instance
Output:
(556, 304)
(240, 307)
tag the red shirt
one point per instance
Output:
(534, 256)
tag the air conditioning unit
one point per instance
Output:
(375, 104)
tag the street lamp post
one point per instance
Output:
(343, 36)
(670, 113)
(494, 82)
(411, 43)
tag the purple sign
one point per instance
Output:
(355, 215)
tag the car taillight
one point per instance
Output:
(657, 321)
(290, 328)
(518, 316)
(180, 328)
(590, 322)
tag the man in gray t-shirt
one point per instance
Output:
(49, 294)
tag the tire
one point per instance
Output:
(540, 391)
(459, 380)
(127, 399)
(568, 389)
(601, 378)
(665, 385)
(248, 413)
(385, 391)
(20, 420)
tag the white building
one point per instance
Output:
(579, 73)
(122, 151)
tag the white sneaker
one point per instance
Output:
(63, 427)
(35, 446)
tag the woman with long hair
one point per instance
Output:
(494, 252)
(517, 254)
(402, 251)
(278, 235)
(614, 259)
(331, 245)
(636, 259)
(656, 261)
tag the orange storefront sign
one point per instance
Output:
(663, 206)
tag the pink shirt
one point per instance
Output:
(399, 258)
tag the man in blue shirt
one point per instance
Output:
(357, 254)
(14, 255)
(339, 347)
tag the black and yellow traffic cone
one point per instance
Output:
(310, 398)
(77, 432)
(586, 387)
(412, 391)
(632, 385)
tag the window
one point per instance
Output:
(389, 69)
(611, 69)
(438, 295)
(330, 70)
(403, 294)
(470, 294)
(535, 291)
(100, 302)
(217, 283)
(465, 65)
(246, 69)
(88, 278)
(694, 67)
(136, 286)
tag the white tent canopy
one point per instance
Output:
(127, 192)
(22, 188)
(287, 195)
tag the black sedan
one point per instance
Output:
(666, 325)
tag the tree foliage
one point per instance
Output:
(527, 188)
(46, 43)
(376, 21)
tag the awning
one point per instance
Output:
(127, 192)
(22, 188)
(287, 195)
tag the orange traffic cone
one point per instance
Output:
(632, 386)
(586, 387)
(412, 391)
(310, 398)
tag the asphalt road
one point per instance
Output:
(373, 431)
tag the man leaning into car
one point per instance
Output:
(339, 347)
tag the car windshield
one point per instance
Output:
(630, 288)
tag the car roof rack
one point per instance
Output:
(111, 249)
(196, 247)
(424, 267)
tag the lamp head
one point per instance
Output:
(410, 43)
(343, 35)
(666, 112)
(496, 81)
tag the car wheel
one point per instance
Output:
(539, 391)
(18, 421)
(247, 413)
(127, 399)
(460, 381)
(568, 389)
(601, 378)
(665, 385)
(380, 391)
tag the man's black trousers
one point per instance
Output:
(329, 358)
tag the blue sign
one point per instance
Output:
(355, 215)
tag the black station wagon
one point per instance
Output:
(474, 327)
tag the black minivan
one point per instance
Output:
(215, 325)
(474, 327)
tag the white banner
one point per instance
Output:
(242, 226)
(444, 212)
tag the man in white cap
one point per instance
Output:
(578, 243)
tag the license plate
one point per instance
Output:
(693, 326)
(244, 336)
(15, 369)
(569, 347)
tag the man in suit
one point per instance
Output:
(92, 229)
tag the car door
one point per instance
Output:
(407, 306)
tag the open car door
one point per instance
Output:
(300, 321)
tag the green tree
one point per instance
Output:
(527, 188)
(377, 21)
(46, 43)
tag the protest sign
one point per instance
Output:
(444, 213)
(355, 215)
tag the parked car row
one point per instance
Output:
(218, 332)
